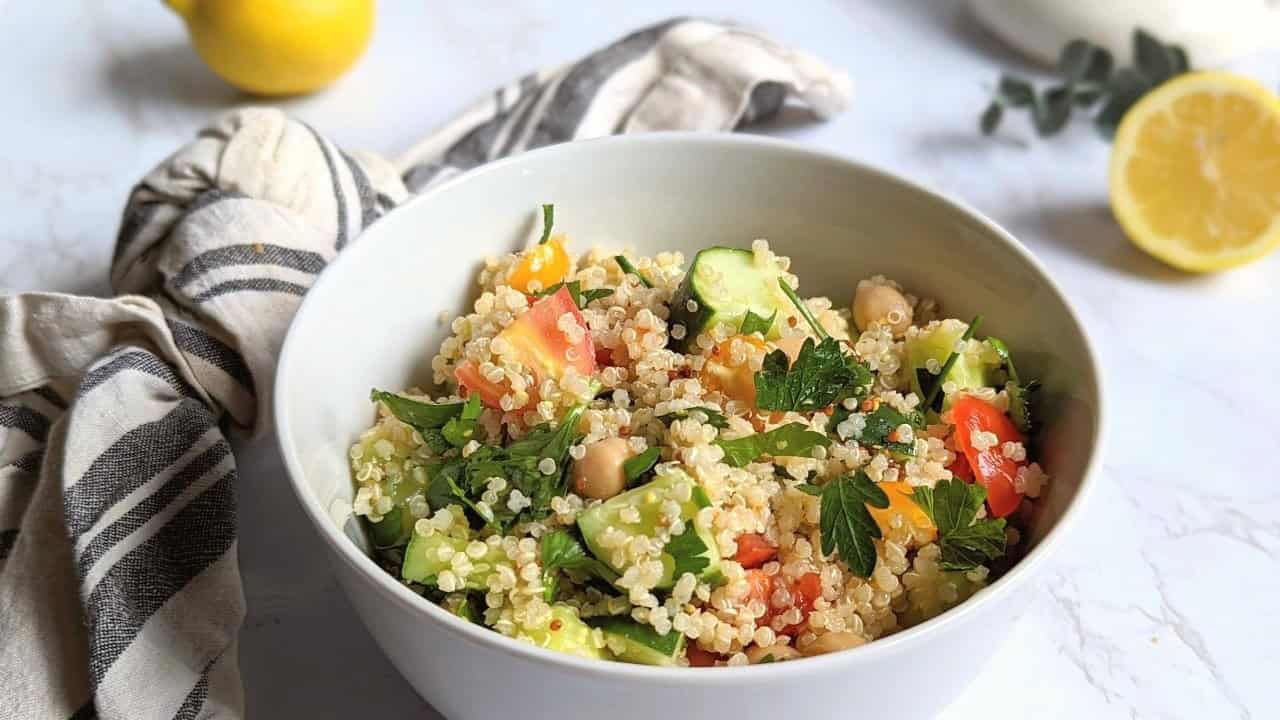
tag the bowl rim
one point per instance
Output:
(901, 641)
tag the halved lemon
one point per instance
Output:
(1195, 172)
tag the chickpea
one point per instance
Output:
(834, 642)
(881, 303)
(598, 474)
(778, 653)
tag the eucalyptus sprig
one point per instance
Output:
(1088, 78)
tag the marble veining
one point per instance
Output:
(1162, 605)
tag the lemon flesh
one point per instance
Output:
(278, 47)
(1195, 172)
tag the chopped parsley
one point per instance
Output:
(821, 375)
(637, 467)
(562, 551)
(803, 309)
(965, 541)
(710, 416)
(848, 529)
(421, 415)
(753, 323)
(630, 269)
(1020, 395)
(688, 551)
(790, 440)
(581, 297)
(881, 424)
(462, 429)
(548, 219)
(463, 480)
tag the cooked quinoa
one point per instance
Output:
(699, 558)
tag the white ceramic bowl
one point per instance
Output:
(372, 320)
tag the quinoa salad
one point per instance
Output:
(685, 462)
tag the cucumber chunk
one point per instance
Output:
(694, 550)
(970, 371)
(564, 632)
(629, 641)
(422, 563)
(724, 284)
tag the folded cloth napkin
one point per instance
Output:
(120, 595)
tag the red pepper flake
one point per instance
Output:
(556, 625)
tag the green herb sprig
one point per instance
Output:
(821, 375)
(965, 541)
(790, 440)
(581, 297)
(635, 468)
(630, 269)
(753, 323)
(562, 551)
(1088, 77)
(847, 527)
(710, 416)
(548, 220)
(1020, 395)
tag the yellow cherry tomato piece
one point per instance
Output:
(900, 503)
(545, 264)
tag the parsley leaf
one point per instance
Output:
(820, 376)
(883, 421)
(636, 467)
(464, 480)
(790, 440)
(436, 441)
(421, 415)
(688, 551)
(753, 323)
(548, 219)
(543, 442)
(581, 297)
(953, 505)
(847, 528)
(714, 417)
(460, 430)
(809, 489)
(562, 551)
(1019, 394)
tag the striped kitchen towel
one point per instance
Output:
(120, 595)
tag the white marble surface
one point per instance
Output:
(1163, 604)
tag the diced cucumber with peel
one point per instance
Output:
(422, 563)
(629, 641)
(969, 372)
(722, 285)
(697, 547)
(563, 631)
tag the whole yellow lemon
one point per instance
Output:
(278, 47)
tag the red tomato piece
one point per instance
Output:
(699, 657)
(805, 591)
(541, 346)
(960, 468)
(990, 467)
(754, 550)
